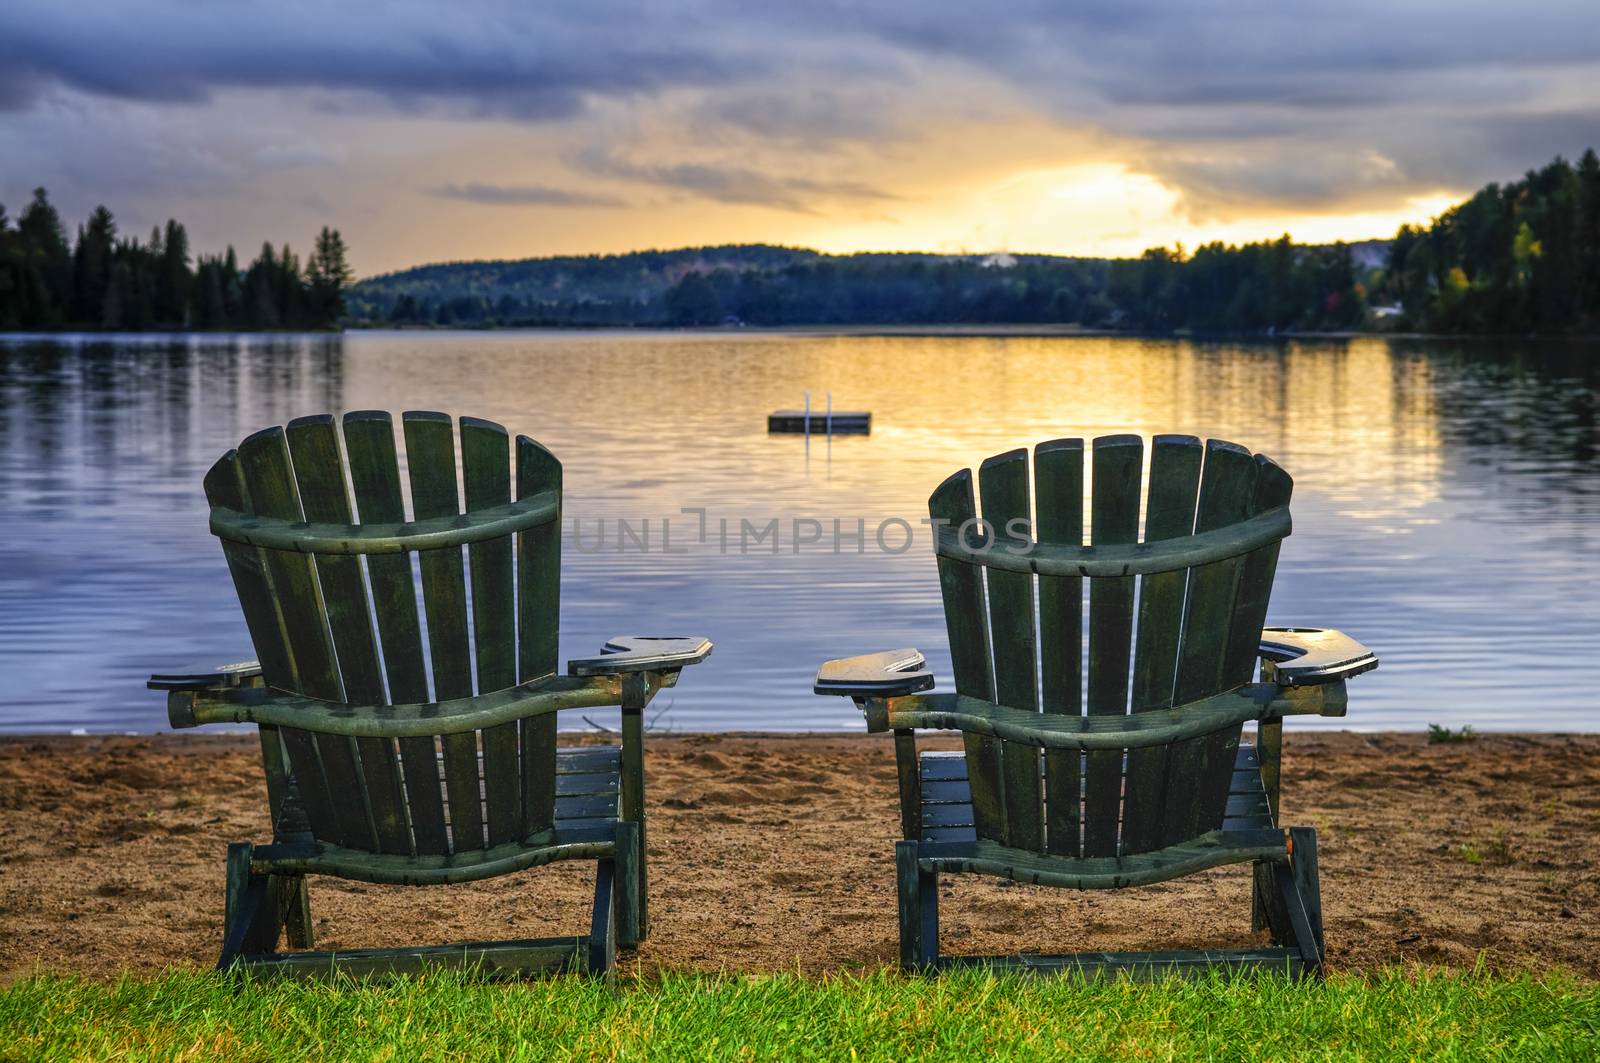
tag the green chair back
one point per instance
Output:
(1107, 644)
(334, 610)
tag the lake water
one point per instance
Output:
(1447, 499)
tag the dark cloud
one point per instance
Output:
(500, 59)
(733, 184)
(523, 195)
(813, 116)
(1261, 101)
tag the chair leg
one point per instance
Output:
(603, 923)
(918, 892)
(630, 860)
(1307, 883)
(252, 919)
(1299, 897)
(1266, 908)
(295, 905)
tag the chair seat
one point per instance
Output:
(951, 843)
(588, 791)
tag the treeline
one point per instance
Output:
(1276, 285)
(1514, 259)
(752, 286)
(1273, 286)
(103, 280)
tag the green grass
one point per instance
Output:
(1438, 735)
(1394, 1015)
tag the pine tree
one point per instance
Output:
(328, 273)
(1588, 240)
(92, 266)
(173, 279)
(46, 263)
(10, 282)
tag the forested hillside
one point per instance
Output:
(753, 284)
(1516, 258)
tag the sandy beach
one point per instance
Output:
(775, 853)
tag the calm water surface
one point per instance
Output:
(1447, 499)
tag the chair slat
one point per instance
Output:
(375, 482)
(1003, 490)
(270, 491)
(324, 496)
(1118, 462)
(966, 623)
(1058, 505)
(965, 616)
(224, 488)
(538, 631)
(342, 773)
(486, 472)
(270, 488)
(1273, 489)
(310, 783)
(1227, 486)
(431, 462)
(1171, 496)
(1198, 769)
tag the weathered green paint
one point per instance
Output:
(1271, 491)
(335, 539)
(1303, 863)
(1113, 521)
(1212, 849)
(1197, 769)
(1169, 515)
(918, 892)
(1058, 505)
(375, 773)
(636, 692)
(910, 776)
(540, 697)
(1116, 560)
(1193, 797)
(1003, 491)
(966, 621)
(486, 475)
(375, 482)
(224, 487)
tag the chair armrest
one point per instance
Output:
(218, 677)
(1308, 656)
(892, 674)
(263, 705)
(642, 653)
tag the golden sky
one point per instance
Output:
(511, 130)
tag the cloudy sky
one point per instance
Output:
(429, 132)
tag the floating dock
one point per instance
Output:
(840, 422)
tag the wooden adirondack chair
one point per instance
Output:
(375, 773)
(1072, 773)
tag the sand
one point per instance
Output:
(776, 853)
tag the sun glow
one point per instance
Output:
(1097, 209)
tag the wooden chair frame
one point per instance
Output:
(368, 781)
(1075, 787)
